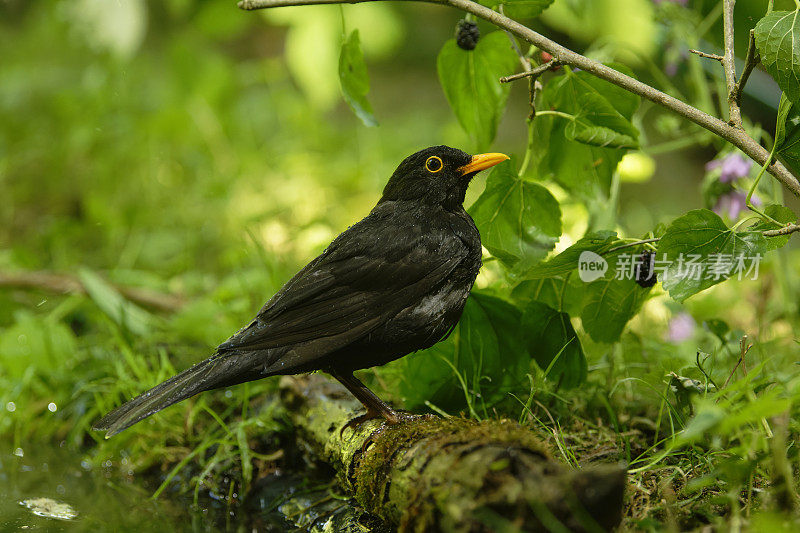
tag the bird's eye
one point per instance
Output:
(434, 164)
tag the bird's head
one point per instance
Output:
(437, 175)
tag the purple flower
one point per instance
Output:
(733, 166)
(733, 203)
(681, 327)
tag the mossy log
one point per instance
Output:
(434, 474)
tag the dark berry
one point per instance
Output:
(643, 269)
(467, 35)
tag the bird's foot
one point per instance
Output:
(357, 421)
(390, 418)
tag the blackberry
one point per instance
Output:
(467, 34)
(645, 276)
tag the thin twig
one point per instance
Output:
(65, 283)
(743, 349)
(715, 57)
(534, 72)
(523, 61)
(734, 112)
(526, 66)
(751, 60)
(565, 56)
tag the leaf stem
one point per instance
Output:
(747, 201)
(556, 114)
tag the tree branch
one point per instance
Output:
(734, 112)
(65, 283)
(751, 60)
(453, 474)
(786, 230)
(563, 55)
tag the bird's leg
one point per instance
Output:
(375, 406)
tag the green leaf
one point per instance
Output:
(354, 79)
(470, 79)
(561, 294)
(567, 261)
(787, 134)
(521, 9)
(698, 247)
(778, 42)
(485, 354)
(597, 123)
(554, 344)
(124, 313)
(579, 167)
(608, 305)
(781, 214)
(519, 221)
(784, 107)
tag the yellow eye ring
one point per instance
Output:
(434, 164)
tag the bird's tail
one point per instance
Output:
(215, 372)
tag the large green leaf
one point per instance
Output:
(700, 237)
(354, 79)
(552, 341)
(567, 261)
(581, 167)
(485, 354)
(561, 293)
(778, 42)
(519, 221)
(608, 305)
(470, 79)
(597, 123)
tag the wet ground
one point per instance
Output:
(58, 490)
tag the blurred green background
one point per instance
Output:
(188, 148)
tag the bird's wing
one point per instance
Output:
(366, 276)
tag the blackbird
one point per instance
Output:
(393, 283)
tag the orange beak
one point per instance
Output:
(481, 162)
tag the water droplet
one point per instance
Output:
(22, 339)
(11, 407)
(228, 394)
(52, 407)
(19, 453)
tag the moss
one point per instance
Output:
(432, 474)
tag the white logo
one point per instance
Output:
(591, 266)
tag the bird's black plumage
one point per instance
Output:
(391, 284)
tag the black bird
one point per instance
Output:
(393, 283)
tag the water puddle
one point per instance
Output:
(56, 490)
